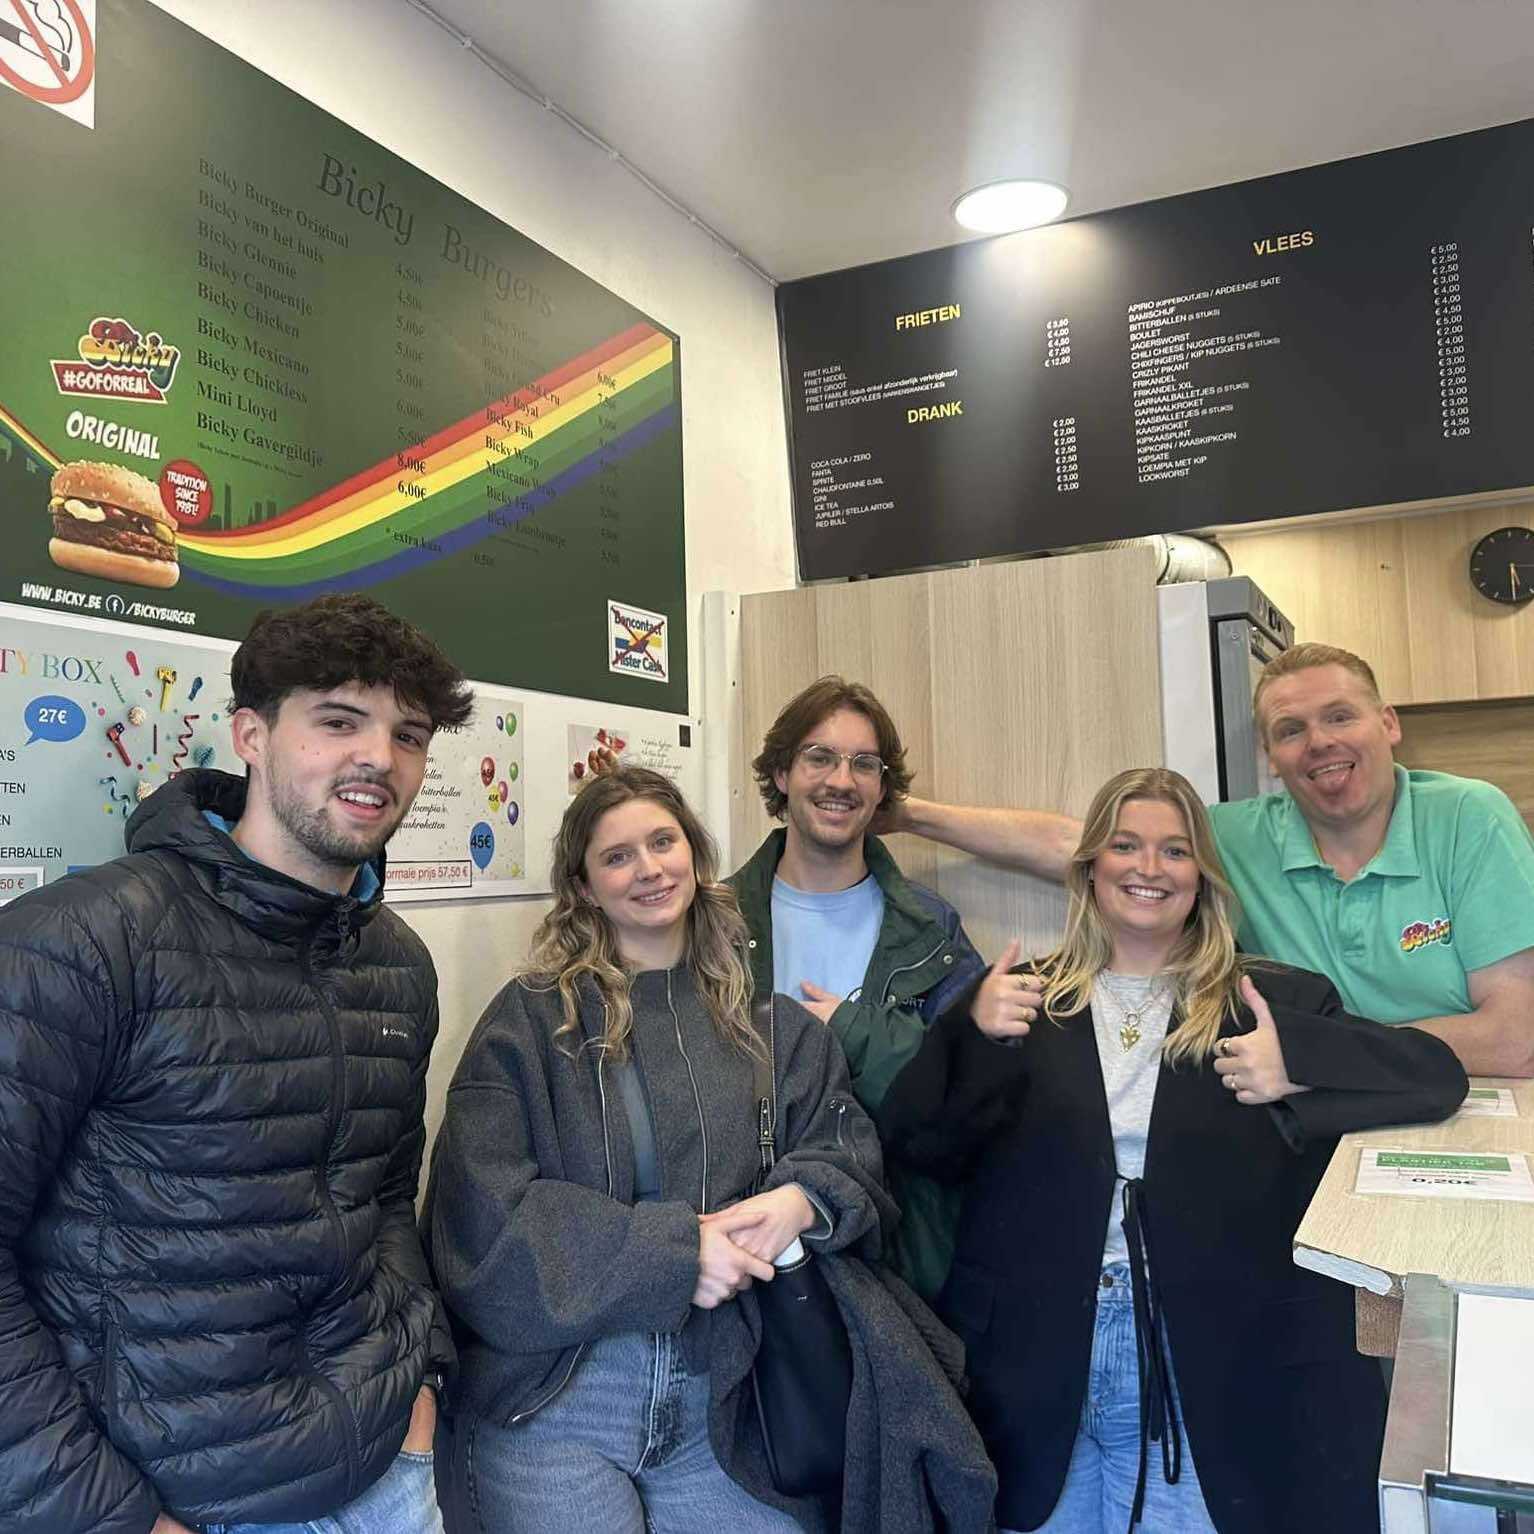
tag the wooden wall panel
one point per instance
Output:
(1395, 590)
(1024, 684)
(777, 656)
(1494, 741)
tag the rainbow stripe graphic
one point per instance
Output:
(35, 445)
(461, 485)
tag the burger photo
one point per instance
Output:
(111, 523)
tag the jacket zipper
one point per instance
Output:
(607, 1146)
(840, 1104)
(109, 1374)
(333, 1110)
(332, 1214)
(538, 1406)
(696, 1096)
(607, 1155)
(905, 969)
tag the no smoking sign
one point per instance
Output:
(48, 54)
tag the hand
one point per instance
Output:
(1006, 1005)
(821, 1003)
(600, 761)
(1252, 1064)
(764, 1225)
(422, 1433)
(165, 1524)
(724, 1269)
(891, 816)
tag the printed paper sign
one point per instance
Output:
(1446, 1174)
(1488, 1102)
(636, 642)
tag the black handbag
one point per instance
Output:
(802, 1377)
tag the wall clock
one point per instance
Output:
(1502, 566)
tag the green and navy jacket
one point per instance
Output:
(921, 963)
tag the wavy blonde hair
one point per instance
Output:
(575, 942)
(1204, 966)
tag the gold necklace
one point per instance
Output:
(1130, 1032)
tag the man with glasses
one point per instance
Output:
(835, 924)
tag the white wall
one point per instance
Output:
(387, 71)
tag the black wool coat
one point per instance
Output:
(1284, 1419)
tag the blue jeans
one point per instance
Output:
(622, 1448)
(402, 1500)
(1099, 1490)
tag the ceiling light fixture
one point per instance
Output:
(1000, 207)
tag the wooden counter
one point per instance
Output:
(1374, 1240)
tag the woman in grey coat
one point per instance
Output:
(591, 1217)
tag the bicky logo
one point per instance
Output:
(117, 362)
(1419, 934)
(636, 642)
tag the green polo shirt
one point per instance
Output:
(1450, 891)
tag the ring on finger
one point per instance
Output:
(1224, 1046)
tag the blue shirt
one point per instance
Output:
(825, 939)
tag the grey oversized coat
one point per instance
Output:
(538, 1247)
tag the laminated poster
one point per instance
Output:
(252, 357)
(94, 717)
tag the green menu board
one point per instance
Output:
(313, 368)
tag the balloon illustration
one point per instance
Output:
(482, 845)
(487, 771)
(513, 772)
(513, 812)
(501, 789)
(511, 724)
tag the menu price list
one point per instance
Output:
(1320, 340)
(260, 268)
(1449, 331)
(263, 269)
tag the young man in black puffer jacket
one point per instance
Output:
(214, 1308)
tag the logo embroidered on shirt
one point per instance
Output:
(1419, 934)
(395, 1033)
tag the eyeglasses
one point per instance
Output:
(822, 761)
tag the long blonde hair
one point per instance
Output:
(575, 942)
(1204, 966)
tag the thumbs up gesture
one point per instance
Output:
(1006, 1005)
(1252, 1064)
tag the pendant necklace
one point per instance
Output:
(1130, 1032)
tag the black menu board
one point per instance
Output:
(1355, 334)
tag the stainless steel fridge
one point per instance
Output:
(1215, 638)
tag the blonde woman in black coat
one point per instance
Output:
(1135, 1161)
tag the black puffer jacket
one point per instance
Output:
(212, 1295)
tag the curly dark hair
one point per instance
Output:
(334, 640)
(797, 721)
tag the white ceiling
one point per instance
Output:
(816, 134)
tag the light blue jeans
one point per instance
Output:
(1099, 1490)
(403, 1500)
(623, 1448)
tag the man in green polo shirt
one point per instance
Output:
(1412, 891)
